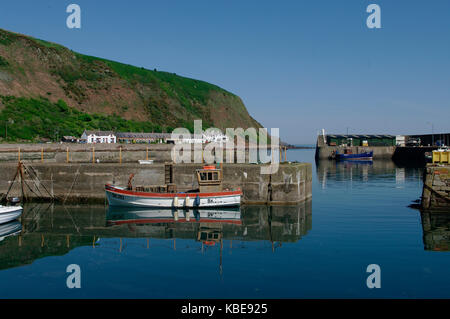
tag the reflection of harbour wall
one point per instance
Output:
(86, 182)
(436, 231)
(271, 223)
(283, 223)
(24, 249)
(348, 171)
(54, 230)
(436, 188)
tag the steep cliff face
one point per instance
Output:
(40, 71)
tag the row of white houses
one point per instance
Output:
(108, 137)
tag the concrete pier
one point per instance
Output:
(436, 188)
(412, 155)
(84, 182)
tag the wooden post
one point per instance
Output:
(67, 151)
(42, 155)
(147, 154)
(120, 155)
(20, 168)
(19, 154)
(285, 153)
(93, 155)
(281, 151)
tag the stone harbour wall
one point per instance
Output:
(85, 182)
(436, 188)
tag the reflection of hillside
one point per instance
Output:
(53, 230)
(436, 231)
(332, 171)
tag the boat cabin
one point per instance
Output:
(209, 236)
(209, 179)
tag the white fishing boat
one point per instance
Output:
(209, 194)
(9, 213)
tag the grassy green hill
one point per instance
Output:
(46, 88)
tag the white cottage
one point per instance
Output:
(215, 137)
(99, 137)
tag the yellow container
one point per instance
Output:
(444, 157)
(441, 157)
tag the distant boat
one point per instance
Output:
(348, 156)
(9, 213)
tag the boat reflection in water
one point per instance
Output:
(122, 215)
(213, 226)
(275, 224)
(12, 228)
(54, 230)
(436, 231)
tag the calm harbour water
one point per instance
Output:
(359, 215)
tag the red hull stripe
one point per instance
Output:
(170, 195)
(171, 220)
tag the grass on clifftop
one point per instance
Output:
(33, 119)
(185, 90)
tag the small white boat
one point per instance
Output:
(145, 161)
(9, 213)
(10, 229)
(209, 194)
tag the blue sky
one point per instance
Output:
(297, 65)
